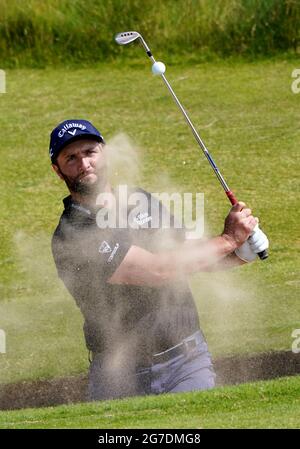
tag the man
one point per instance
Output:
(141, 324)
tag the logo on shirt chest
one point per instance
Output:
(105, 248)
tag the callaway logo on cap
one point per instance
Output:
(69, 131)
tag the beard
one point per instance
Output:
(77, 184)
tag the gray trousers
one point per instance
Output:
(192, 370)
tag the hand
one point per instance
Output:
(245, 253)
(239, 224)
(257, 242)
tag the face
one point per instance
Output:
(82, 165)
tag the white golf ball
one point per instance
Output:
(158, 68)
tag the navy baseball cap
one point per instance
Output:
(69, 131)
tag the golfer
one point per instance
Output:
(141, 324)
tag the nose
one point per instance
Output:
(84, 163)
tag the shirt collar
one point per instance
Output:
(73, 206)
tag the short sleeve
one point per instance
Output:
(89, 252)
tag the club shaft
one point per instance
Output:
(196, 135)
(200, 142)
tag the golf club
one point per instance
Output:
(158, 68)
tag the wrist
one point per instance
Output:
(230, 244)
(245, 253)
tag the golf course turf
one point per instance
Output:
(249, 119)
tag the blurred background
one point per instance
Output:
(37, 33)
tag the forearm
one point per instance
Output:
(231, 261)
(197, 256)
(226, 263)
(140, 267)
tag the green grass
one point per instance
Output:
(272, 404)
(35, 33)
(249, 119)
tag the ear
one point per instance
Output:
(57, 171)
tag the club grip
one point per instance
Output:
(263, 255)
(231, 197)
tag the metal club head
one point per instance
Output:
(126, 37)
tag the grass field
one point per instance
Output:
(36, 34)
(272, 404)
(249, 119)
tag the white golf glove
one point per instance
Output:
(257, 242)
